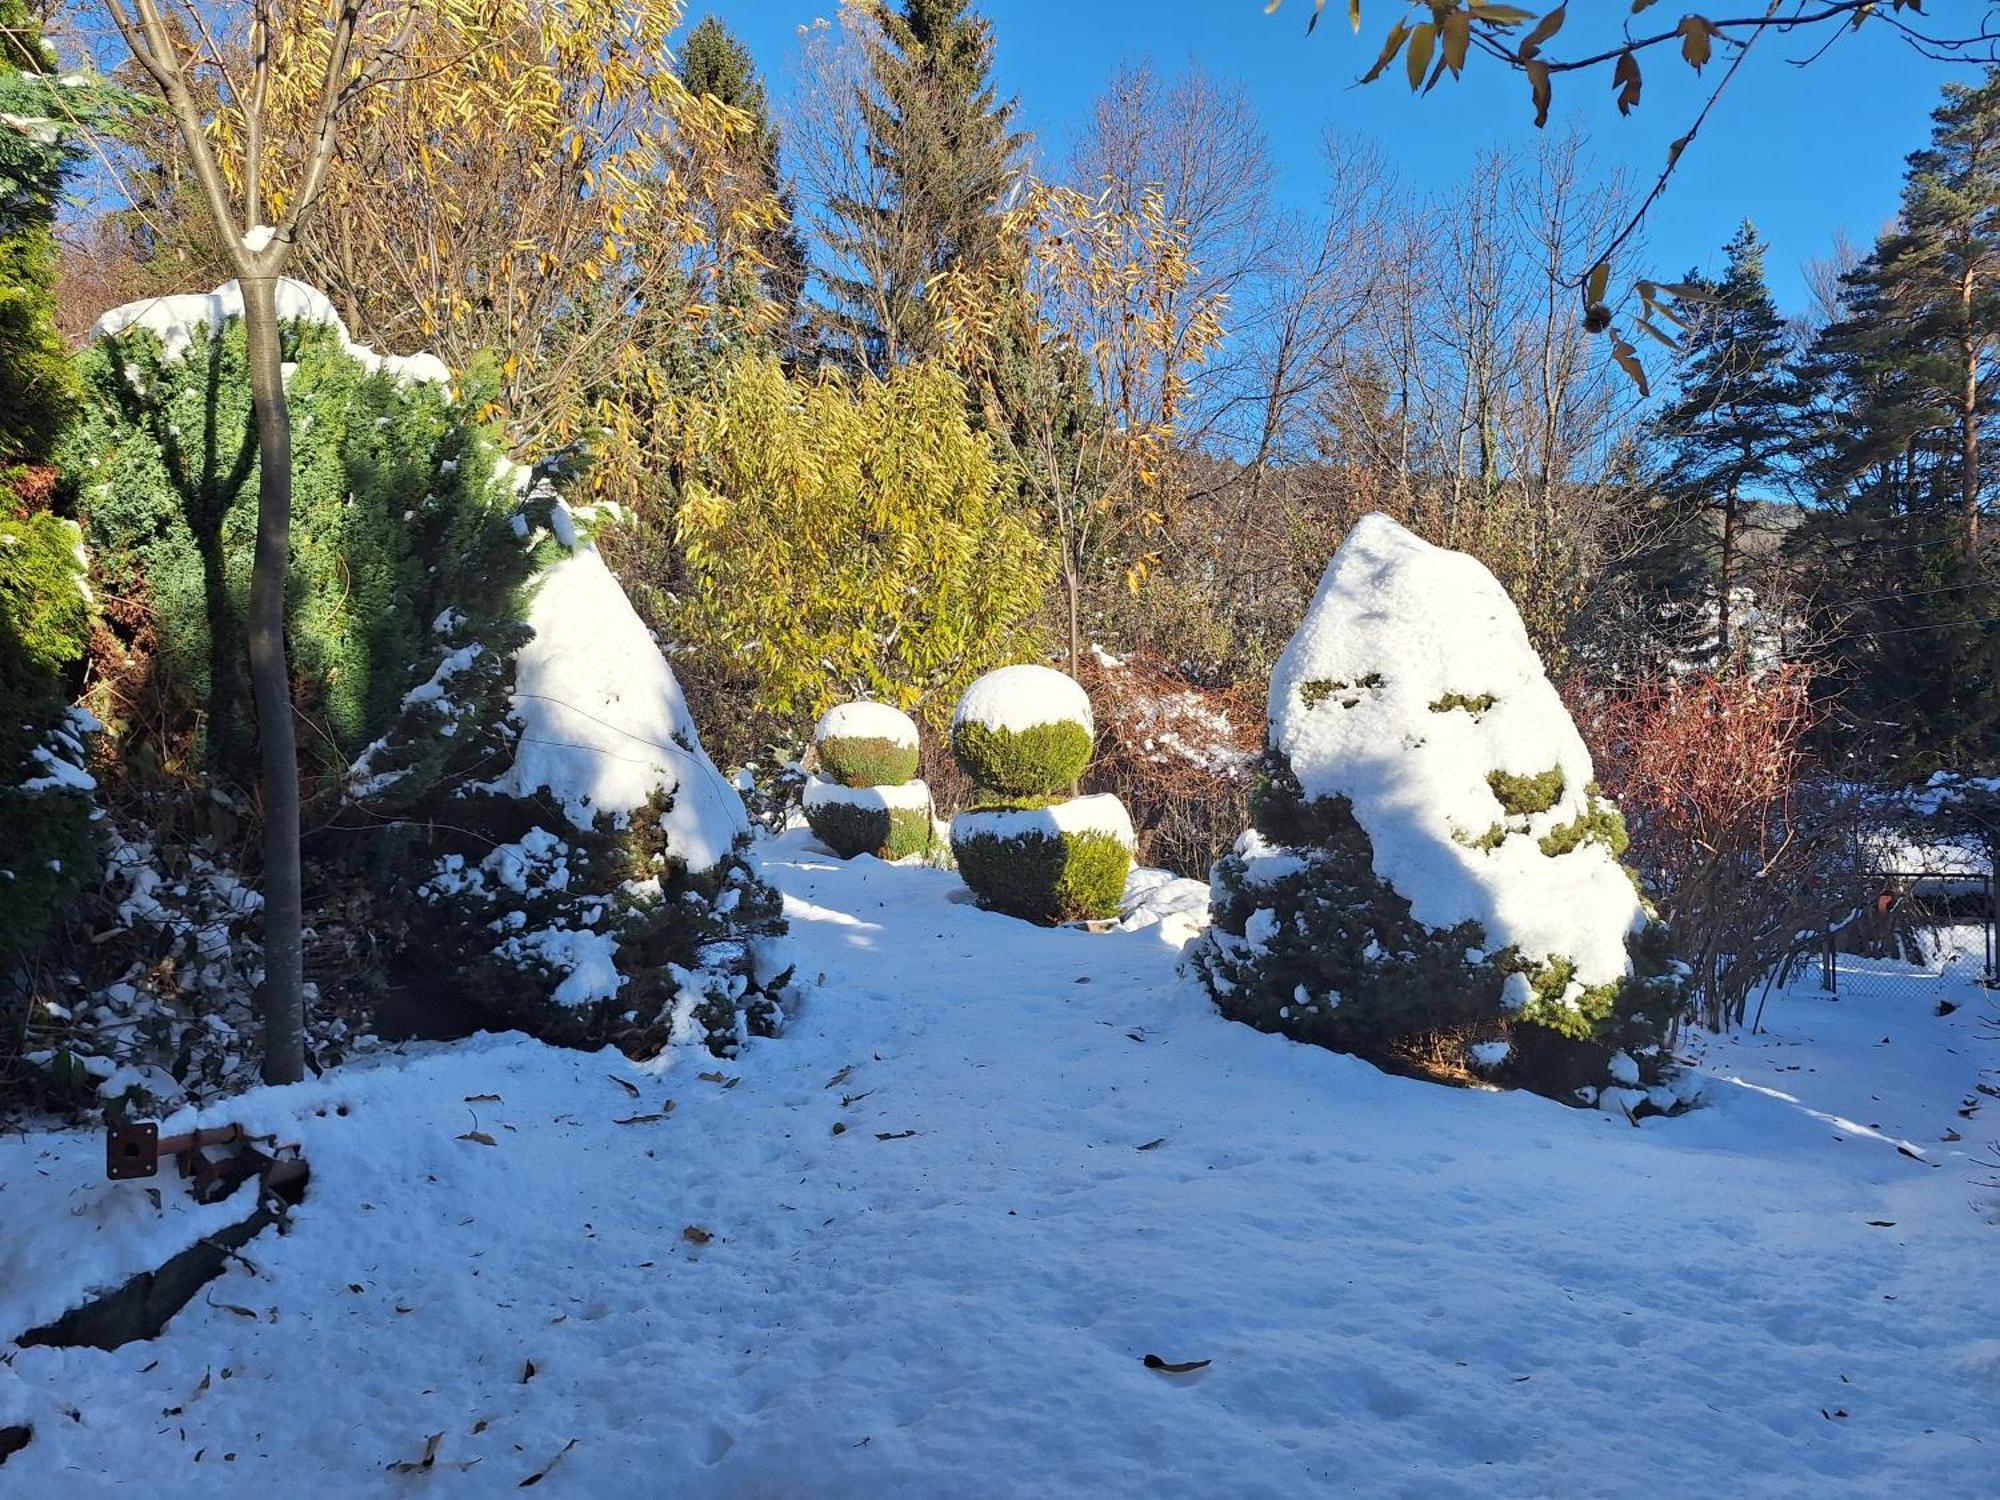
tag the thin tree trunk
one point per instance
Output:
(1969, 432)
(1730, 505)
(270, 685)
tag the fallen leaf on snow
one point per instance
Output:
(1168, 1367)
(418, 1465)
(543, 1472)
(1153, 1145)
(480, 1137)
(694, 1234)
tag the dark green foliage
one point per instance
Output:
(1309, 942)
(867, 762)
(942, 142)
(1902, 456)
(1046, 878)
(1040, 761)
(398, 514)
(1727, 439)
(691, 947)
(1523, 795)
(886, 832)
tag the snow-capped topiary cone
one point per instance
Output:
(1023, 731)
(868, 802)
(1430, 853)
(866, 744)
(1023, 734)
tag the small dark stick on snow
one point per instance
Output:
(1165, 1367)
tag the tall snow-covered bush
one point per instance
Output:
(1431, 862)
(570, 862)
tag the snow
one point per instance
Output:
(603, 722)
(1022, 697)
(912, 795)
(1099, 813)
(588, 961)
(173, 319)
(1403, 1289)
(1401, 625)
(866, 721)
(258, 237)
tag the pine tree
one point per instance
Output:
(1726, 434)
(941, 145)
(714, 62)
(1908, 403)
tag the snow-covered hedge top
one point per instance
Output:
(603, 723)
(1018, 698)
(866, 721)
(910, 795)
(1409, 681)
(1101, 813)
(175, 318)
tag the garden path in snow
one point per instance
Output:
(1056, 1160)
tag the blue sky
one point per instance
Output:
(1802, 151)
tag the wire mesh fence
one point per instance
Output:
(1924, 935)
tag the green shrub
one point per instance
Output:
(399, 513)
(1306, 940)
(1522, 796)
(849, 828)
(45, 802)
(1044, 875)
(867, 762)
(1042, 761)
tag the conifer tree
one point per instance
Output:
(1726, 433)
(942, 147)
(1909, 403)
(715, 63)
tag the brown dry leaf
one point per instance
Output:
(543, 1472)
(1169, 1367)
(419, 1465)
(482, 1099)
(1153, 1145)
(630, 1088)
(480, 1137)
(894, 1135)
(694, 1234)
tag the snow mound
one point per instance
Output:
(866, 721)
(1101, 813)
(913, 796)
(1022, 697)
(1409, 682)
(175, 318)
(603, 722)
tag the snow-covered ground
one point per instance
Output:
(922, 1245)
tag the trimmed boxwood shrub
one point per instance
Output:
(1039, 761)
(1043, 877)
(850, 822)
(867, 762)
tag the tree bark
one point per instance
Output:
(271, 689)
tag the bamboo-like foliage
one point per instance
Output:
(1079, 345)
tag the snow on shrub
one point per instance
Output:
(868, 803)
(866, 744)
(1023, 731)
(1023, 734)
(1430, 854)
(584, 873)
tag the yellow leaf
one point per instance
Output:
(1418, 56)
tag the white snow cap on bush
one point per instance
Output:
(1397, 627)
(1018, 698)
(866, 721)
(603, 722)
(912, 795)
(1101, 813)
(175, 318)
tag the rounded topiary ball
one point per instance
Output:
(1066, 862)
(886, 821)
(1023, 732)
(866, 744)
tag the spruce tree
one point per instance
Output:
(715, 63)
(942, 144)
(1908, 405)
(1725, 436)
